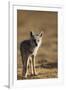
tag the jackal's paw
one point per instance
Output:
(31, 74)
(35, 74)
(23, 77)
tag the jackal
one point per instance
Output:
(28, 49)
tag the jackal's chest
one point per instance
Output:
(36, 49)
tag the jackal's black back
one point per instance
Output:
(27, 46)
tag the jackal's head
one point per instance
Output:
(36, 38)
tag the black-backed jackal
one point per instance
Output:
(28, 49)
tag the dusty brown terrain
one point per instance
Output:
(46, 59)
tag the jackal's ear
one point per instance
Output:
(41, 34)
(31, 34)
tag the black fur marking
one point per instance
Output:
(35, 42)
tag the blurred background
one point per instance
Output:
(47, 56)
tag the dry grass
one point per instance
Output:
(39, 21)
(43, 73)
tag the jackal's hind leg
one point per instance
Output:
(27, 63)
(24, 71)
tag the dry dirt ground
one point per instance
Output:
(47, 56)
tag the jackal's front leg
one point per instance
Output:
(33, 64)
